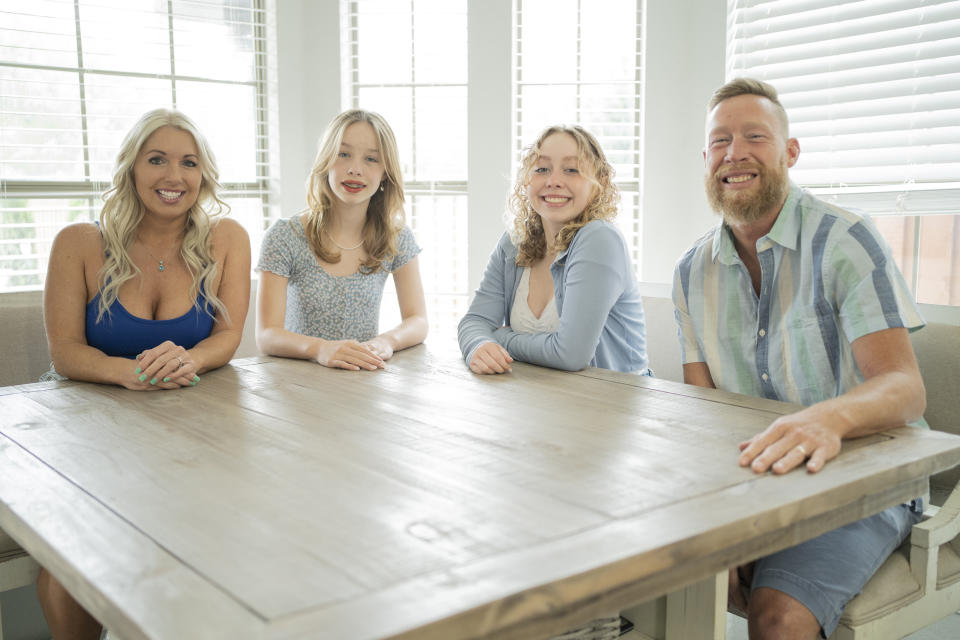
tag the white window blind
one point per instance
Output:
(74, 77)
(872, 88)
(576, 64)
(407, 60)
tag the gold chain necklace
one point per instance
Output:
(343, 248)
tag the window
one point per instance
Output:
(407, 60)
(74, 77)
(577, 65)
(873, 94)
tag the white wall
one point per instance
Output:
(684, 65)
(308, 88)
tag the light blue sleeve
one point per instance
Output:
(486, 312)
(594, 280)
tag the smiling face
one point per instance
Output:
(167, 172)
(557, 190)
(357, 172)
(746, 158)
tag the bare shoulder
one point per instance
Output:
(229, 232)
(79, 238)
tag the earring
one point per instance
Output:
(381, 186)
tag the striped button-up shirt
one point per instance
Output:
(827, 279)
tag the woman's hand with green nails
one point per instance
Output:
(166, 366)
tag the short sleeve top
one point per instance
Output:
(320, 304)
(828, 278)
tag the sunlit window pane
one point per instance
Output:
(439, 43)
(232, 133)
(383, 42)
(27, 228)
(441, 119)
(214, 41)
(125, 35)
(939, 265)
(927, 251)
(39, 32)
(544, 105)
(609, 41)
(549, 35)
(114, 104)
(434, 220)
(40, 120)
(248, 211)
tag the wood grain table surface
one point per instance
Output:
(281, 499)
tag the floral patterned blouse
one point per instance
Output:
(322, 305)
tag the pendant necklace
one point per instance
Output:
(160, 266)
(343, 248)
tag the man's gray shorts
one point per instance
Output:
(825, 573)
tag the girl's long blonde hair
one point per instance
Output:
(527, 233)
(385, 211)
(123, 210)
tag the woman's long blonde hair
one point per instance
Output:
(527, 233)
(123, 210)
(385, 210)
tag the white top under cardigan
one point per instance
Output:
(522, 318)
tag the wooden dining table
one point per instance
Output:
(281, 499)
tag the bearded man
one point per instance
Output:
(793, 299)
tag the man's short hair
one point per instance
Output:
(753, 87)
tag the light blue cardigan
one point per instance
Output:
(598, 300)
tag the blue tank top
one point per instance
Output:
(123, 334)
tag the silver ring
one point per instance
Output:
(179, 362)
(802, 450)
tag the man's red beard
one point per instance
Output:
(748, 205)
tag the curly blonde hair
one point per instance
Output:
(123, 210)
(527, 233)
(385, 211)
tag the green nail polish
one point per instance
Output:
(153, 381)
(138, 371)
(167, 379)
(193, 383)
(143, 377)
(196, 378)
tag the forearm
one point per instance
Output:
(884, 401)
(216, 350)
(566, 351)
(280, 342)
(412, 331)
(80, 361)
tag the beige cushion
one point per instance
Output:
(891, 587)
(24, 341)
(894, 586)
(937, 346)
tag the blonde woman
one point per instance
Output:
(322, 272)
(154, 294)
(559, 289)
